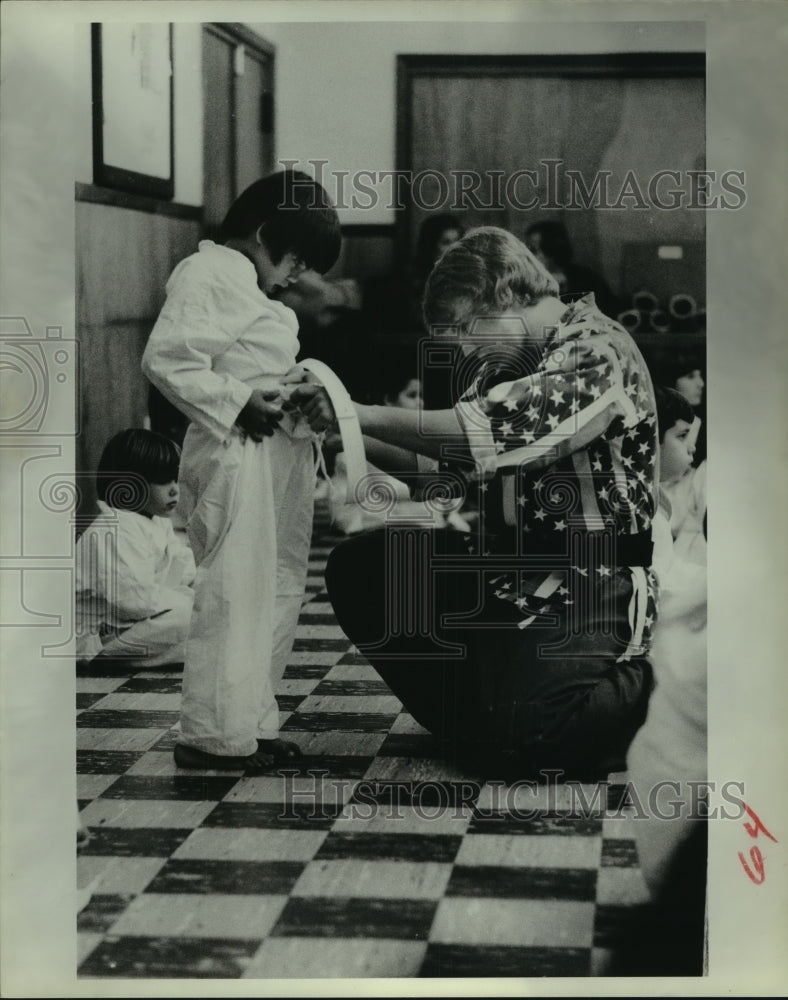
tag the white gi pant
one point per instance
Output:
(154, 642)
(249, 507)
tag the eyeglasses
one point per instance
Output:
(569, 298)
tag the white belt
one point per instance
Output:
(347, 421)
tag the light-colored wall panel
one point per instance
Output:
(336, 81)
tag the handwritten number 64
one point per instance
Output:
(754, 828)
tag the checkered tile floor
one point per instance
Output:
(384, 861)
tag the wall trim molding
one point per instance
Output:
(97, 195)
(609, 64)
(239, 33)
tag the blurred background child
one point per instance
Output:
(549, 242)
(396, 385)
(682, 372)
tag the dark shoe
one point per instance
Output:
(259, 762)
(282, 751)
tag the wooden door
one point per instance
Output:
(218, 151)
(253, 115)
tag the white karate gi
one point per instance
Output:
(133, 598)
(248, 505)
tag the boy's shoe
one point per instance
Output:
(283, 751)
(259, 762)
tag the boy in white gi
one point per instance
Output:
(221, 351)
(132, 574)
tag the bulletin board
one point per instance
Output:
(133, 108)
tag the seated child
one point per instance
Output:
(133, 574)
(682, 372)
(687, 497)
(399, 387)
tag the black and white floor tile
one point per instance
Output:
(375, 858)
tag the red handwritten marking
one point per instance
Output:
(757, 862)
(755, 828)
(758, 876)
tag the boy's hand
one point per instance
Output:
(262, 413)
(312, 400)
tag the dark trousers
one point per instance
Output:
(548, 696)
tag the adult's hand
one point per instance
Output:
(312, 400)
(332, 443)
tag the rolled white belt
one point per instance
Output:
(347, 420)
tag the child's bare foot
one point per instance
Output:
(283, 751)
(259, 762)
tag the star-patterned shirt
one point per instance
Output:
(565, 461)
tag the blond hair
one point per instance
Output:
(487, 272)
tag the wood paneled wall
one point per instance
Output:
(123, 260)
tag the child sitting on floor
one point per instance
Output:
(133, 574)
